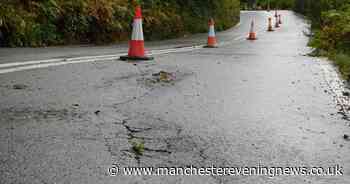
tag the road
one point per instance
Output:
(246, 103)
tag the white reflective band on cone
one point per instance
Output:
(137, 31)
(252, 27)
(211, 31)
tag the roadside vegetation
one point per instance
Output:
(58, 22)
(264, 4)
(331, 30)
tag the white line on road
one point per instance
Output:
(36, 66)
(29, 65)
(7, 65)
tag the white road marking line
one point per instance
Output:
(6, 65)
(21, 66)
(29, 65)
(101, 57)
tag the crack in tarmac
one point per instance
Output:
(173, 140)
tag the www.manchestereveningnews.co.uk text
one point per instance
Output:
(259, 170)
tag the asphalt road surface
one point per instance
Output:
(66, 116)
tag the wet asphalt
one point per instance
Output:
(242, 104)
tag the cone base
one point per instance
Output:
(134, 58)
(252, 36)
(270, 30)
(211, 46)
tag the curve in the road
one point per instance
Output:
(30, 65)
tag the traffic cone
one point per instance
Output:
(136, 44)
(252, 34)
(270, 25)
(279, 19)
(276, 13)
(277, 25)
(211, 37)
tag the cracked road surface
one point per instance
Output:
(243, 104)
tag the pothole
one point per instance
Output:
(163, 78)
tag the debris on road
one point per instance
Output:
(163, 76)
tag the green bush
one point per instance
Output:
(274, 4)
(343, 63)
(334, 34)
(53, 22)
(330, 24)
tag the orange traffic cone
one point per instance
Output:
(270, 25)
(277, 25)
(279, 19)
(136, 44)
(252, 34)
(211, 37)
